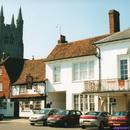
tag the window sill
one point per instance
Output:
(56, 83)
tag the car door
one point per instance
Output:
(77, 117)
(104, 116)
(72, 117)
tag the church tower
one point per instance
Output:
(11, 36)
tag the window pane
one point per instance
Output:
(86, 102)
(91, 69)
(56, 73)
(91, 101)
(76, 102)
(124, 69)
(75, 72)
(83, 71)
(25, 106)
(81, 102)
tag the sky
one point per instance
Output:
(45, 20)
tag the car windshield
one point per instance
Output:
(43, 111)
(62, 112)
(119, 114)
(92, 113)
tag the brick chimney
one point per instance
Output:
(114, 21)
(62, 39)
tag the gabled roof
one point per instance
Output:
(35, 68)
(13, 67)
(74, 49)
(116, 37)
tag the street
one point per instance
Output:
(23, 124)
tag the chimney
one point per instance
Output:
(62, 39)
(114, 21)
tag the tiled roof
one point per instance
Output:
(35, 68)
(116, 36)
(74, 49)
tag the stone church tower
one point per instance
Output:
(11, 37)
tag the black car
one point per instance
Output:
(64, 118)
(1, 116)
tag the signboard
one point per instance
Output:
(91, 86)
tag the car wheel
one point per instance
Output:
(101, 127)
(65, 124)
(44, 123)
(32, 124)
(83, 127)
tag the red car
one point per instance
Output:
(119, 119)
(64, 118)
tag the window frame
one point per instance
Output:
(56, 74)
(123, 57)
(81, 73)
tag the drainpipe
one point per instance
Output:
(45, 100)
(98, 55)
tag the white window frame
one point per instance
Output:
(22, 89)
(25, 106)
(36, 105)
(80, 73)
(91, 103)
(57, 74)
(123, 57)
(84, 102)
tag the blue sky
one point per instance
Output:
(78, 19)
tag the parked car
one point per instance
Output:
(40, 117)
(1, 116)
(119, 119)
(94, 119)
(64, 118)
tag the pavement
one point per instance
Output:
(19, 120)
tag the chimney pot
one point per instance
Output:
(114, 21)
(62, 39)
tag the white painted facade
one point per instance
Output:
(27, 105)
(111, 55)
(113, 94)
(67, 85)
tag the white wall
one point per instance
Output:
(66, 84)
(109, 58)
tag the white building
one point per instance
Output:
(115, 71)
(29, 90)
(68, 66)
(86, 74)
